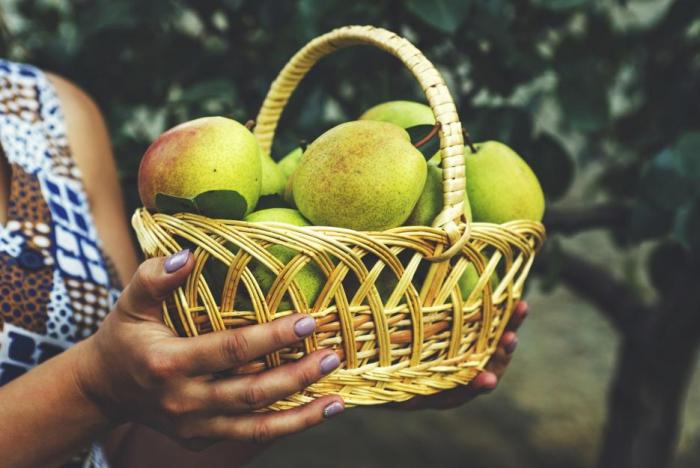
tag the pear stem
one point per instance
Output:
(469, 142)
(428, 137)
(303, 144)
(250, 125)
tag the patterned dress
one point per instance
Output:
(56, 283)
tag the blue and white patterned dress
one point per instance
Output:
(56, 284)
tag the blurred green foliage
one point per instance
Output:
(568, 83)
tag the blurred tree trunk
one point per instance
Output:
(656, 358)
(656, 361)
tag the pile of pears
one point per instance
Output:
(364, 175)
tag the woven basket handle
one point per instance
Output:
(439, 98)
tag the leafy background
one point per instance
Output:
(601, 97)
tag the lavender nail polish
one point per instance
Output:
(329, 363)
(304, 326)
(333, 409)
(176, 261)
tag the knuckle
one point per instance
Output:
(236, 348)
(146, 279)
(160, 366)
(218, 396)
(278, 336)
(254, 396)
(149, 285)
(174, 407)
(261, 433)
(305, 377)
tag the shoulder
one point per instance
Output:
(79, 109)
(86, 131)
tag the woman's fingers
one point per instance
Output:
(223, 350)
(152, 282)
(519, 315)
(251, 392)
(263, 427)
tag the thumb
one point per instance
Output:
(153, 281)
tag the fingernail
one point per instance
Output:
(304, 326)
(176, 261)
(522, 308)
(329, 363)
(510, 347)
(333, 409)
(485, 382)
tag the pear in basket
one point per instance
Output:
(273, 184)
(210, 166)
(363, 175)
(310, 279)
(500, 185)
(430, 202)
(405, 114)
(288, 164)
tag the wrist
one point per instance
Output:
(89, 381)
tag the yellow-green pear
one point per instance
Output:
(212, 161)
(288, 195)
(405, 114)
(273, 180)
(470, 278)
(430, 202)
(310, 278)
(501, 186)
(362, 175)
(289, 163)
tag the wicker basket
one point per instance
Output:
(418, 339)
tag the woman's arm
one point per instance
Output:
(130, 444)
(135, 369)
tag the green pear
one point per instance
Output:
(210, 154)
(405, 114)
(501, 186)
(288, 195)
(289, 163)
(430, 202)
(470, 278)
(273, 180)
(363, 175)
(310, 278)
(278, 215)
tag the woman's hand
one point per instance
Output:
(139, 370)
(486, 381)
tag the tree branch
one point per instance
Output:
(615, 299)
(573, 220)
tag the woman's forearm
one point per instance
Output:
(44, 414)
(143, 447)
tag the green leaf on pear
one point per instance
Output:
(171, 204)
(221, 204)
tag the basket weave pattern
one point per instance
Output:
(391, 305)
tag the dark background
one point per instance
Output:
(601, 97)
